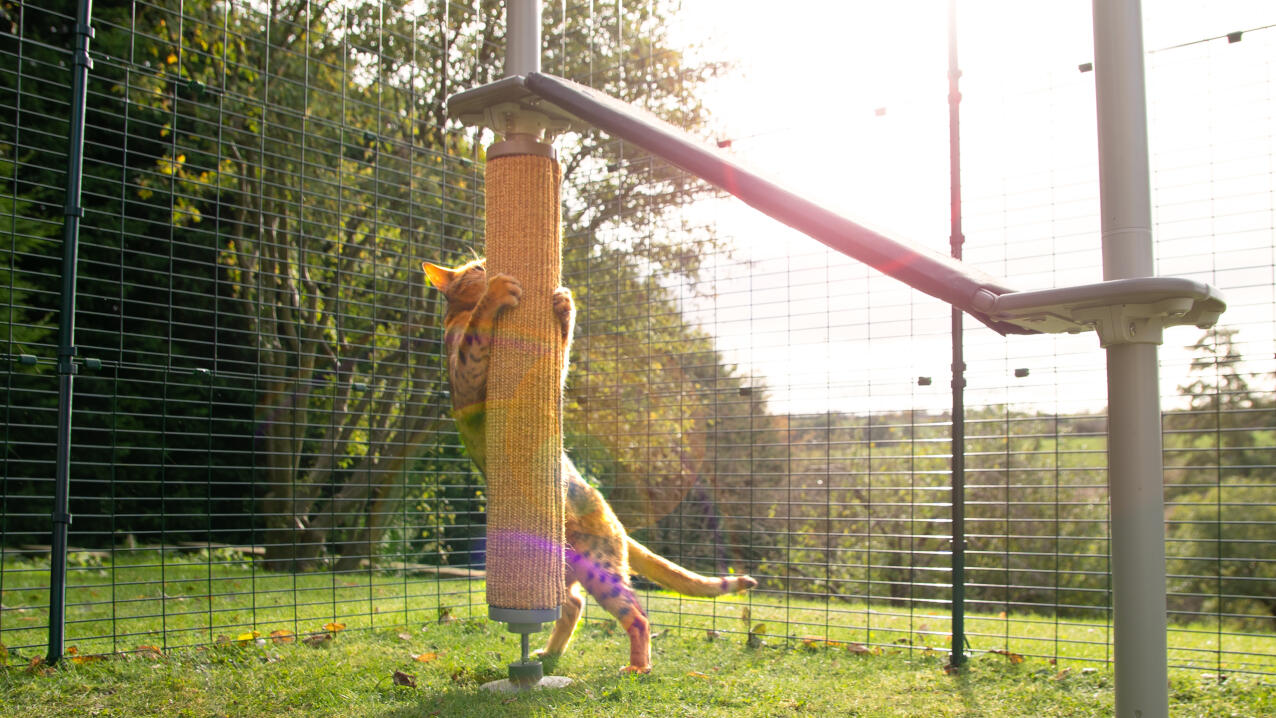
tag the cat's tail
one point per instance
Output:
(676, 578)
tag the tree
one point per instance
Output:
(312, 139)
(1227, 426)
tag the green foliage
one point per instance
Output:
(655, 417)
(1220, 558)
(146, 306)
(1228, 428)
(1222, 493)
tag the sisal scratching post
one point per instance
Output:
(525, 489)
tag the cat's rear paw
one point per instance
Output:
(635, 670)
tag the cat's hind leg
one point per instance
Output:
(565, 625)
(614, 593)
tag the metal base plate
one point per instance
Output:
(505, 685)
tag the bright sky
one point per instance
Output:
(847, 102)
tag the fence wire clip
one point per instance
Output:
(66, 361)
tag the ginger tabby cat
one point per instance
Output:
(600, 554)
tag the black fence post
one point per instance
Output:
(67, 367)
(956, 239)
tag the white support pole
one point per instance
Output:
(1134, 407)
(522, 37)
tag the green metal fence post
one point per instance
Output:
(956, 239)
(80, 66)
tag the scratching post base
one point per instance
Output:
(525, 674)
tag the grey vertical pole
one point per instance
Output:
(1134, 409)
(81, 64)
(523, 37)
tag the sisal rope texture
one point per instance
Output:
(525, 488)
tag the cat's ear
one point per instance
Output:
(439, 277)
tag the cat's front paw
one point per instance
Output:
(563, 304)
(504, 291)
(564, 308)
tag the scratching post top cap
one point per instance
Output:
(521, 144)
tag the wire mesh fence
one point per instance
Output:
(262, 436)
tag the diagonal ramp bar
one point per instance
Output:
(564, 105)
(931, 272)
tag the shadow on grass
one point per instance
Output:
(965, 685)
(471, 700)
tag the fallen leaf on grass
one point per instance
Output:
(1015, 658)
(247, 637)
(755, 635)
(283, 635)
(318, 640)
(1062, 674)
(405, 636)
(698, 674)
(445, 615)
(334, 627)
(863, 650)
(424, 657)
(404, 679)
(712, 635)
(79, 660)
(147, 651)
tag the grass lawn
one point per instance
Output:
(340, 640)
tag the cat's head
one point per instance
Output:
(463, 286)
